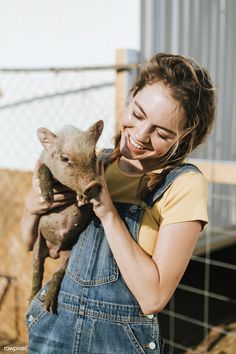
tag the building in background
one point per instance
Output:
(206, 31)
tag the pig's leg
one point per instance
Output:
(45, 183)
(50, 299)
(40, 252)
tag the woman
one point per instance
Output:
(148, 217)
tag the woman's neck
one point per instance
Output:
(135, 167)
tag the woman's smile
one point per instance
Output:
(136, 145)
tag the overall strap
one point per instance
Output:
(104, 155)
(158, 192)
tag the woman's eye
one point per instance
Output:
(137, 116)
(163, 137)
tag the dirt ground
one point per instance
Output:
(15, 283)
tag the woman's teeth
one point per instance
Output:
(133, 142)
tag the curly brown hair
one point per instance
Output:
(191, 86)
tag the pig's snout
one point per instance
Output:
(92, 189)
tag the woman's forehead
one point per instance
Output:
(157, 102)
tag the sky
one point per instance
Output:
(41, 33)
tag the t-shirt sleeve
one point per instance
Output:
(185, 200)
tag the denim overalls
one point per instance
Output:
(97, 313)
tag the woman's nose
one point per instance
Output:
(143, 134)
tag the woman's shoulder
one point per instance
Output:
(188, 187)
(193, 176)
(185, 200)
(189, 182)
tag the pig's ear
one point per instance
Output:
(96, 130)
(46, 137)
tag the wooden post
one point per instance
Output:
(124, 79)
(215, 171)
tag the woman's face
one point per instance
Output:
(150, 123)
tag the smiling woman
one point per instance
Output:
(151, 124)
(147, 219)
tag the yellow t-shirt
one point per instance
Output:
(184, 200)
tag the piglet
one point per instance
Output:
(68, 157)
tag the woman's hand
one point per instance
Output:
(35, 206)
(102, 204)
(34, 202)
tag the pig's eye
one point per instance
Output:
(64, 158)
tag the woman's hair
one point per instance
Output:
(191, 86)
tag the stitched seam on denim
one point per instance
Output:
(29, 312)
(133, 339)
(137, 222)
(113, 265)
(170, 178)
(156, 337)
(108, 317)
(75, 273)
(90, 265)
(84, 235)
(109, 311)
(135, 216)
(77, 337)
(103, 316)
(77, 298)
(90, 336)
(36, 319)
(117, 318)
(93, 282)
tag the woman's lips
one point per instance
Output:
(135, 145)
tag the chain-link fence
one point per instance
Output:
(203, 307)
(30, 99)
(51, 98)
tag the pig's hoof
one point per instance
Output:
(48, 197)
(50, 305)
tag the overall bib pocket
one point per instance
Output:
(144, 337)
(84, 266)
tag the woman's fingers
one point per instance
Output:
(101, 171)
(36, 170)
(45, 206)
(61, 203)
(58, 197)
(101, 168)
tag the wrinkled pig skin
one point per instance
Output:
(68, 157)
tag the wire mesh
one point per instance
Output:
(202, 311)
(53, 98)
(201, 316)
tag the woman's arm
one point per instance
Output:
(35, 206)
(152, 280)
